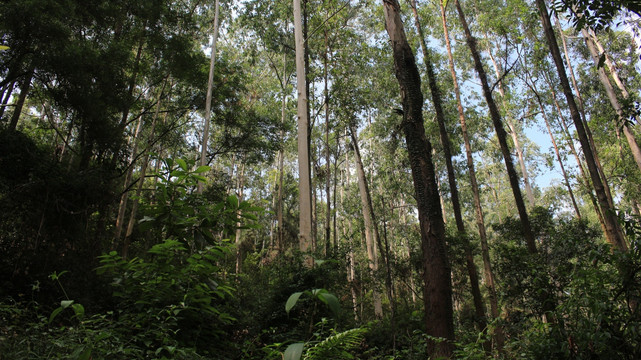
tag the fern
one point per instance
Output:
(337, 346)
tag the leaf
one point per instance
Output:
(293, 351)
(202, 169)
(182, 164)
(78, 309)
(293, 299)
(55, 313)
(65, 303)
(4, 47)
(331, 301)
(232, 201)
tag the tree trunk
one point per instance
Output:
(480, 222)
(124, 198)
(613, 233)
(240, 187)
(609, 90)
(371, 227)
(328, 211)
(210, 86)
(479, 306)
(141, 178)
(437, 292)
(500, 133)
(512, 131)
(305, 192)
(17, 110)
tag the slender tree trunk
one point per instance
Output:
(4, 97)
(141, 178)
(210, 85)
(609, 90)
(513, 132)
(305, 192)
(437, 292)
(124, 198)
(500, 133)
(480, 222)
(241, 188)
(479, 306)
(371, 227)
(17, 110)
(588, 132)
(613, 233)
(328, 211)
(532, 85)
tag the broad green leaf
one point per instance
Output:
(293, 299)
(54, 313)
(293, 351)
(65, 303)
(331, 301)
(202, 169)
(78, 309)
(182, 164)
(232, 201)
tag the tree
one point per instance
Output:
(304, 174)
(437, 292)
(612, 232)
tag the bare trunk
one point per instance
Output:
(210, 86)
(17, 110)
(371, 227)
(513, 133)
(305, 193)
(328, 211)
(613, 233)
(609, 90)
(124, 198)
(141, 178)
(480, 222)
(437, 292)
(500, 133)
(479, 306)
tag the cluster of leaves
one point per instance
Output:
(595, 292)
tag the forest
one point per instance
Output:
(320, 179)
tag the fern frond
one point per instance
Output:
(337, 346)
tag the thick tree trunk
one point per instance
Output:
(479, 306)
(500, 133)
(437, 292)
(371, 227)
(613, 233)
(210, 85)
(305, 192)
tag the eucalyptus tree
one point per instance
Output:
(500, 131)
(613, 233)
(437, 291)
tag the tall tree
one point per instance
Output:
(210, 86)
(305, 191)
(613, 232)
(437, 292)
(500, 132)
(437, 101)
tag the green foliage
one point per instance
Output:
(321, 294)
(179, 213)
(596, 289)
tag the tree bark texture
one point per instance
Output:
(437, 292)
